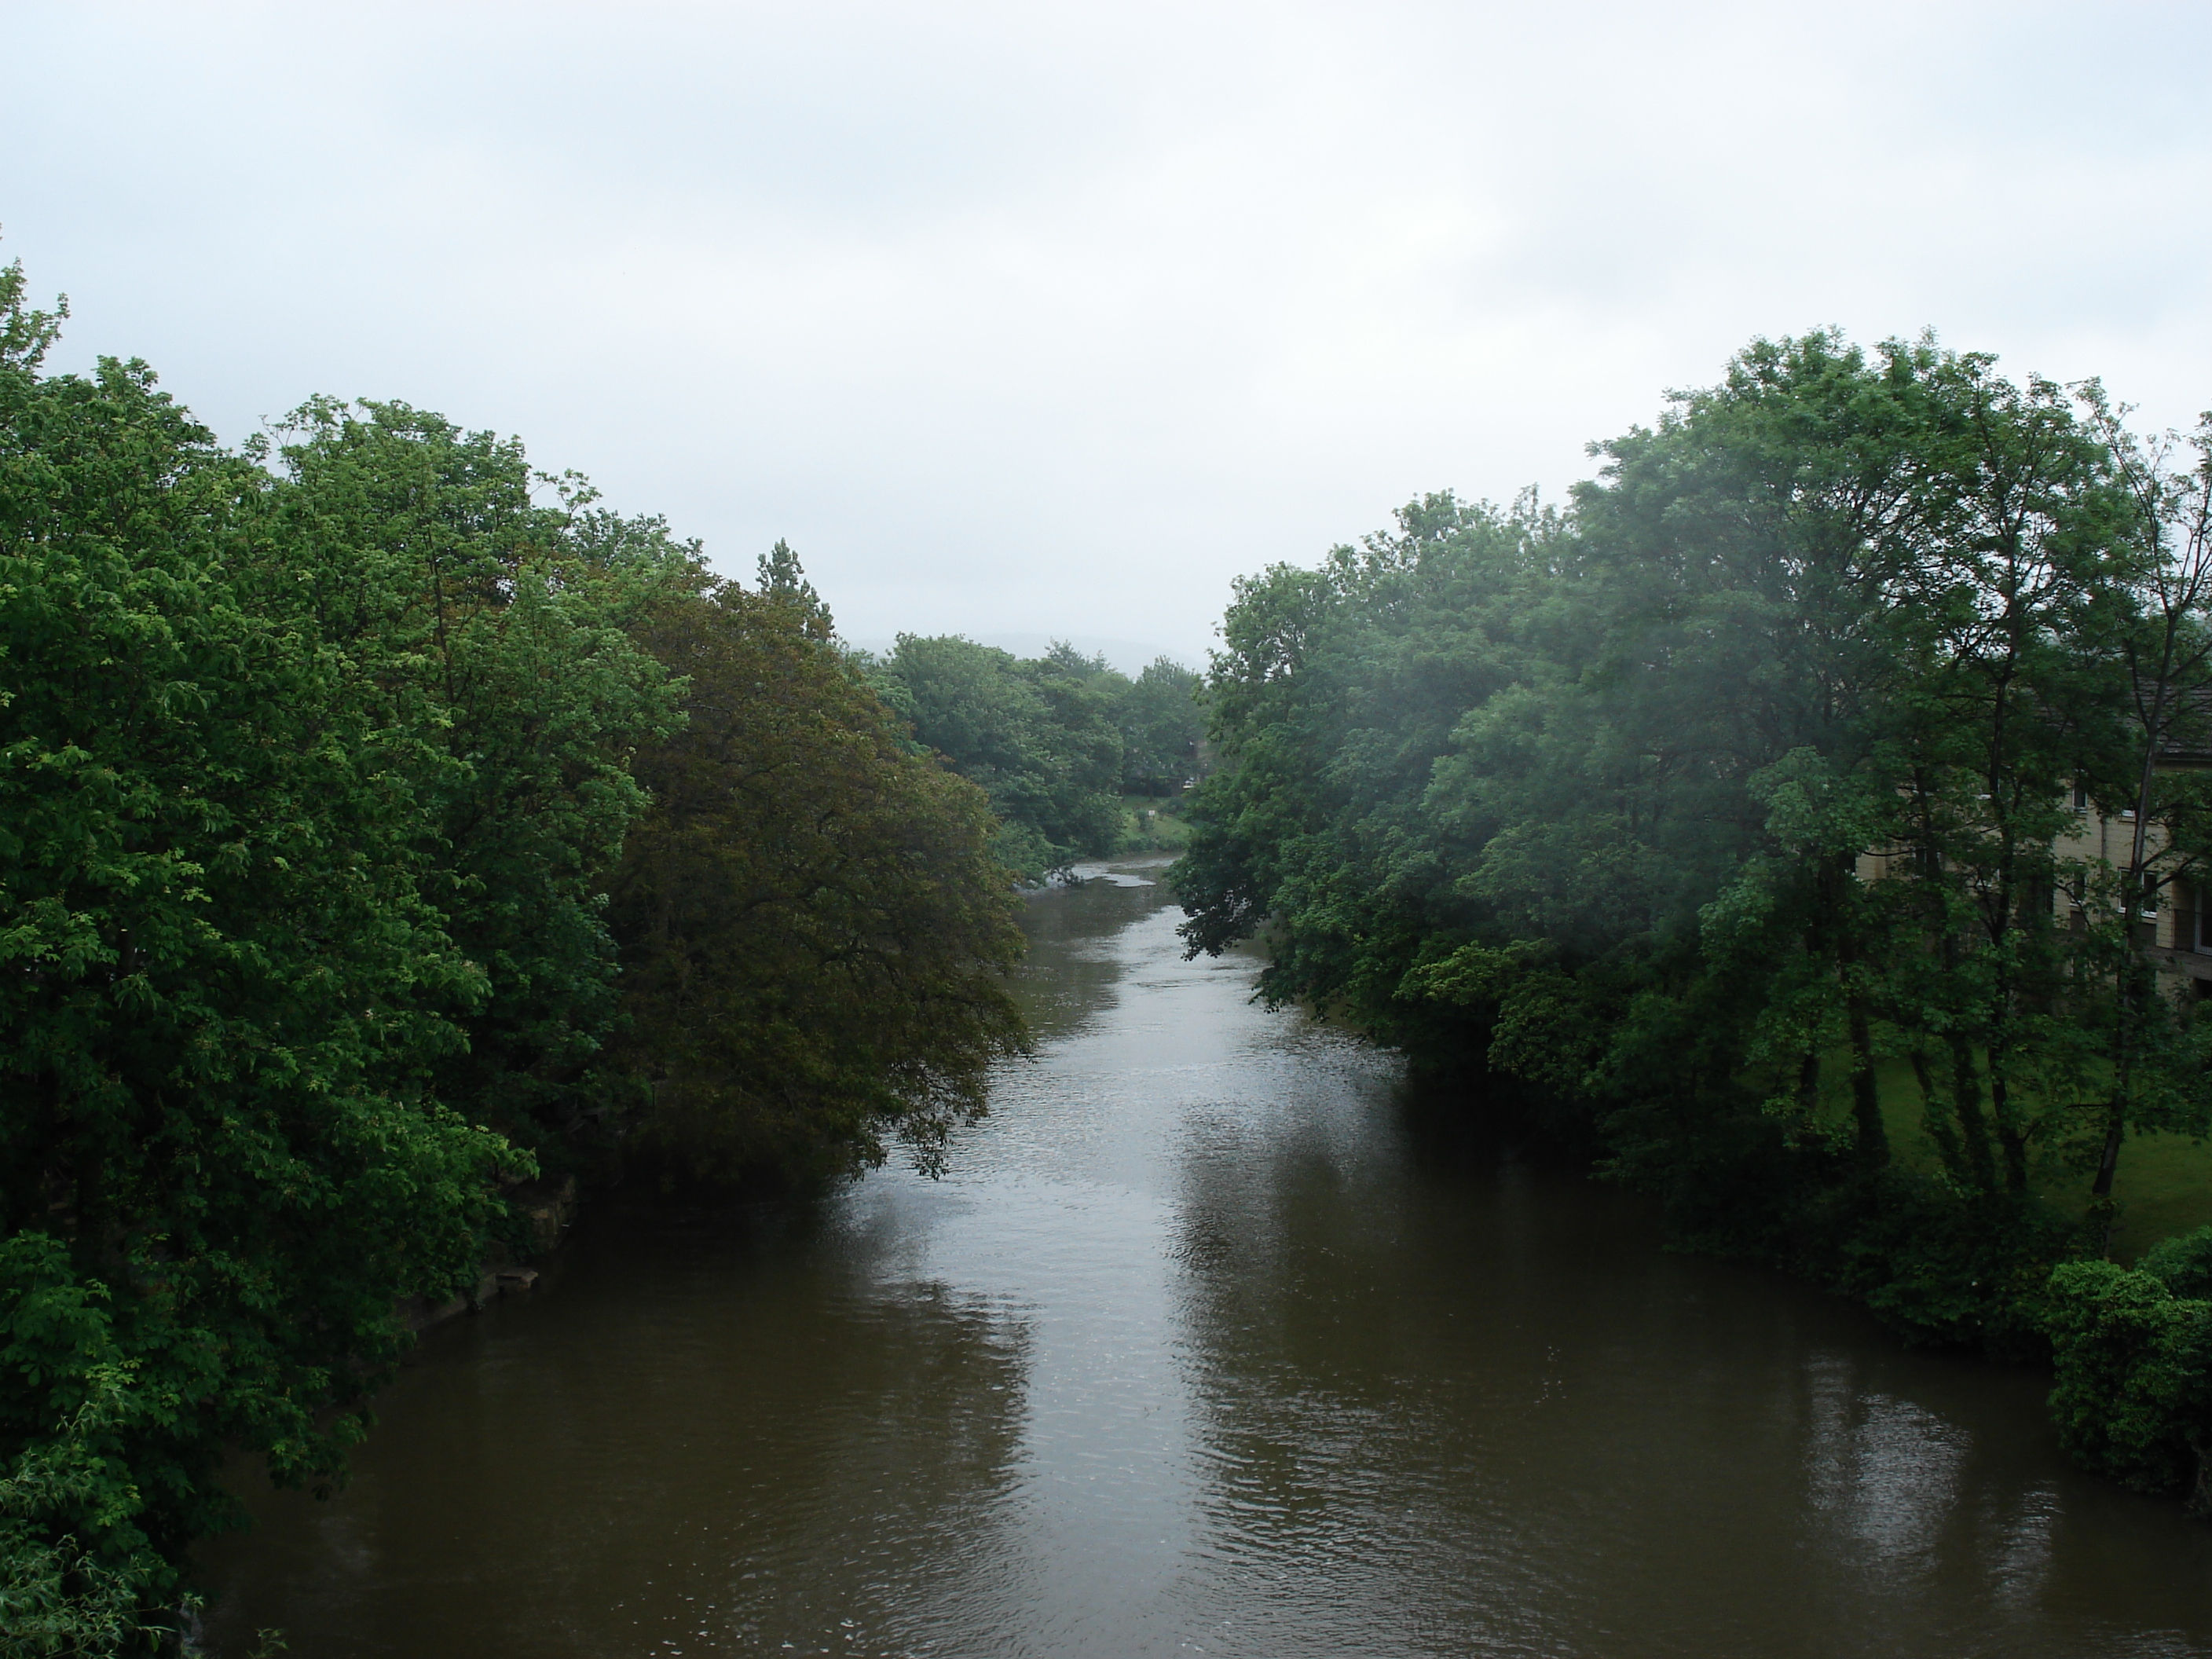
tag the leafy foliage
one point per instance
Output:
(496, 634)
(227, 971)
(1692, 812)
(814, 926)
(2133, 1398)
(1039, 736)
(1162, 726)
(77, 1575)
(316, 762)
(2182, 1265)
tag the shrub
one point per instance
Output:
(2134, 1394)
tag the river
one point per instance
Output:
(1202, 1346)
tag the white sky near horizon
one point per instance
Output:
(1051, 319)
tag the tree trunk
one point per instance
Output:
(2132, 999)
(2108, 1161)
(1945, 1136)
(2013, 1143)
(1967, 1103)
(1873, 1146)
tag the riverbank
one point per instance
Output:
(1152, 824)
(547, 1208)
(2163, 1186)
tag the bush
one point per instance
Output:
(77, 1573)
(2182, 1265)
(1938, 1265)
(2134, 1394)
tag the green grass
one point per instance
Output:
(1164, 832)
(2164, 1184)
(2165, 1188)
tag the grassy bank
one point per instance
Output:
(2164, 1185)
(1149, 825)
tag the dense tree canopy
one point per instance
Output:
(1161, 724)
(1688, 814)
(221, 1157)
(1056, 741)
(318, 761)
(813, 921)
(499, 632)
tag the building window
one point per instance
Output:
(2189, 931)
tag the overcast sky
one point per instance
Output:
(1049, 319)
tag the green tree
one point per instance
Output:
(782, 579)
(496, 633)
(1684, 815)
(814, 931)
(220, 1159)
(311, 776)
(1038, 735)
(1162, 725)
(1335, 703)
(2157, 629)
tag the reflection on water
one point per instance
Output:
(675, 1448)
(1190, 1354)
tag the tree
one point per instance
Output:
(227, 982)
(1687, 814)
(1335, 704)
(496, 632)
(1037, 735)
(1161, 724)
(310, 776)
(814, 928)
(782, 580)
(2156, 626)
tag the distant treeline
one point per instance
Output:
(1717, 824)
(1057, 741)
(383, 823)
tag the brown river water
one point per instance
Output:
(1203, 1347)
